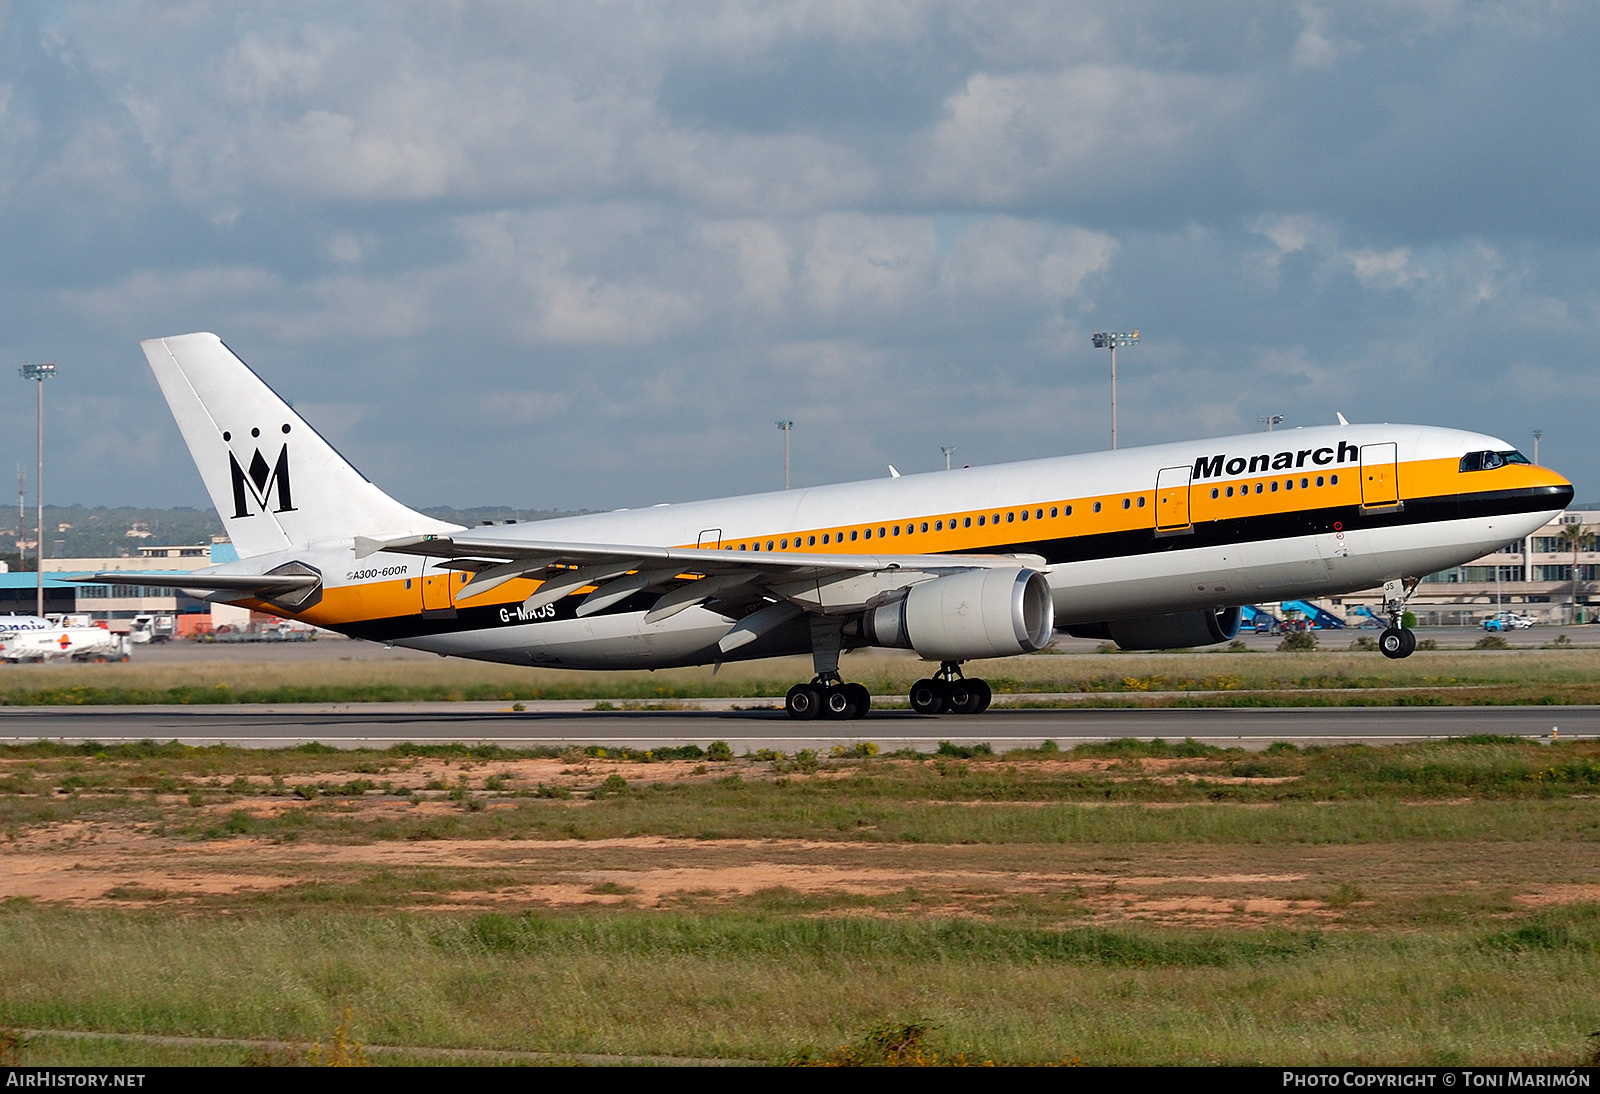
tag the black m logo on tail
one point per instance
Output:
(258, 485)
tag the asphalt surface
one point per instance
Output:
(382, 725)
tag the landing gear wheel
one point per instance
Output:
(861, 697)
(803, 702)
(969, 697)
(985, 695)
(964, 698)
(838, 704)
(1397, 642)
(929, 696)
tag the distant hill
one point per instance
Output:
(481, 513)
(81, 531)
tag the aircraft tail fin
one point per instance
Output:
(276, 483)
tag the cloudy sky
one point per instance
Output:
(585, 255)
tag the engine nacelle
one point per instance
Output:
(1176, 630)
(982, 613)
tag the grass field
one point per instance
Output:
(1117, 903)
(1216, 678)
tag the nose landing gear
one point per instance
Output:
(1397, 640)
(949, 692)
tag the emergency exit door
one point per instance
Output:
(1172, 499)
(1380, 485)
(438, 588)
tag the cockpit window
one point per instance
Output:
(1488, 461)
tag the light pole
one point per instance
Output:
(1111, 340)
(1537, 434)
(785, 426)
(948, 452)
(1271, 420)
(39, 373)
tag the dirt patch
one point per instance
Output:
(1560, 894)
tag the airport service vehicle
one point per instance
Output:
(1150, 548)
(1507, 621)
(1313, 617)
(61, 643)
(152, 628)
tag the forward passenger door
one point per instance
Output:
(1172, 500)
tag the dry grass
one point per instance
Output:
(1522, 674)
(1120, 903)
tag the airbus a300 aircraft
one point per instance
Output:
(1150, 548)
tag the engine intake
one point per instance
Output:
(1176, 630)
(983, 613)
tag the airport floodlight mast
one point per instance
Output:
(786, 426)
(1111, 340)
(39, 373)
(1537, 435)
(1271, 420)
(948, 452)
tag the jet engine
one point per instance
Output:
(1176, 630)
(982, 613)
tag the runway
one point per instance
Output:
(380, 725)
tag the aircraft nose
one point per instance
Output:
(1559, 489)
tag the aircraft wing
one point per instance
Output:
(826, 583)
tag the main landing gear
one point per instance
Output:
(950, 693)
(1397, 641)
(827, 696)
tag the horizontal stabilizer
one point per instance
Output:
(240, 583)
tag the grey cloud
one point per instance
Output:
(607, 245)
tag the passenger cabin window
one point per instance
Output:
(1096, 507)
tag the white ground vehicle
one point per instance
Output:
(152, 628)
(66, 643)
(1507, 621)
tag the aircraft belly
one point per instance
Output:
(621, 641)
(1096, 589)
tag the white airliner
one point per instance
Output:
(1150, 548)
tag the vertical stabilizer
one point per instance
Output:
(275, 482)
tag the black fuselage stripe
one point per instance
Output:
(1231, 531)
